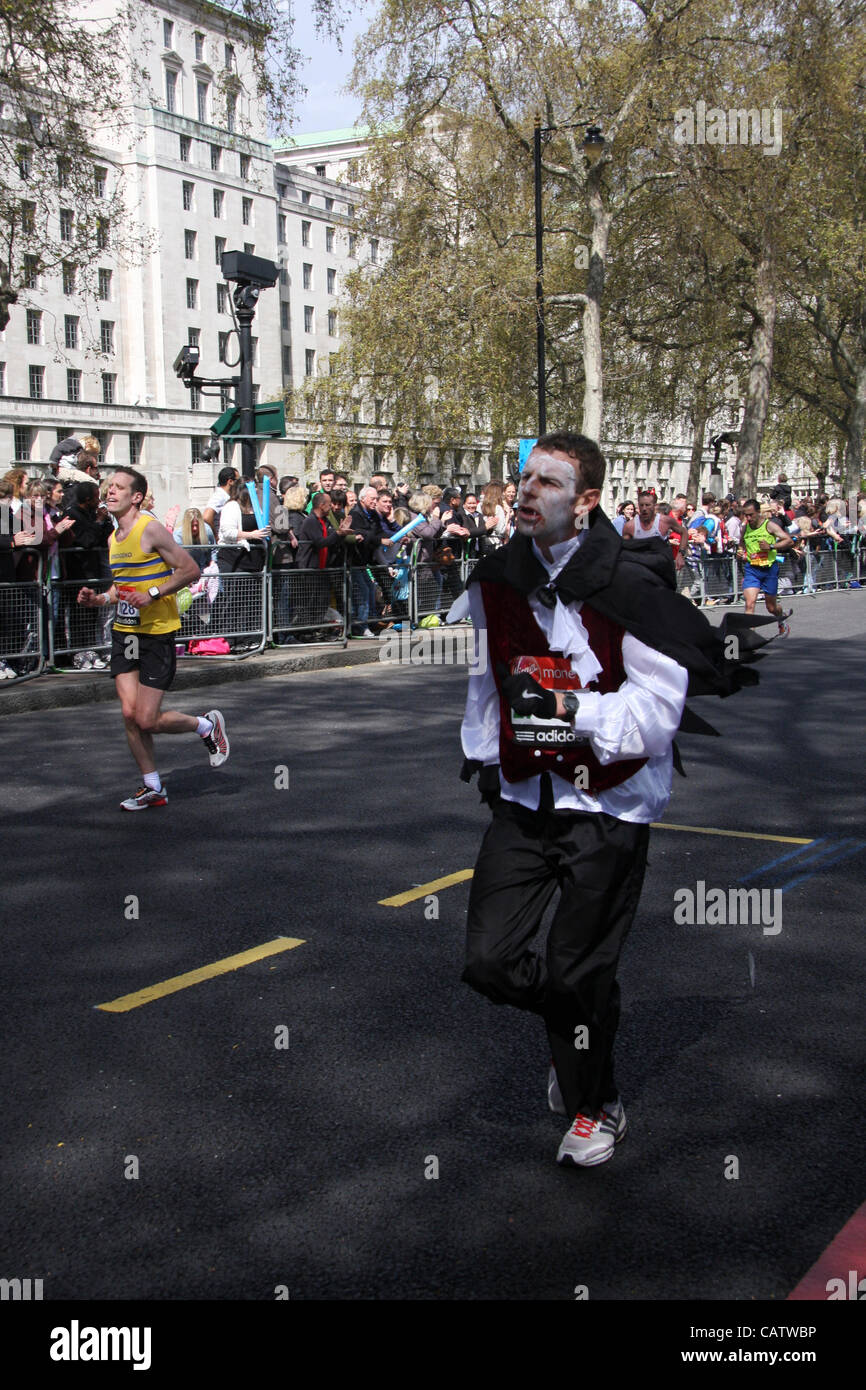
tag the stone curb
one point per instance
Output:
(51, 691)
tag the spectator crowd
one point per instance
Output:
(325, 541)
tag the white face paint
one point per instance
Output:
(546, 498)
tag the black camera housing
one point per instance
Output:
(243, 269)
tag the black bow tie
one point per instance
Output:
(547, 596)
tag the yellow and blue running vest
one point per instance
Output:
(752, 538)
(134, 568)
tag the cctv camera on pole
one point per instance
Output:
(249, 275)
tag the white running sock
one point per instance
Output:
(205, 726)
(152, 782)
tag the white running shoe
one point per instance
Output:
(144, 799)
(216, 742)
(6, 672)
(592, 1138)
(98, 663)
(589, 1141)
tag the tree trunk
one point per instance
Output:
(852, 469)
(593, 391)
(700, 416)
(758, 394)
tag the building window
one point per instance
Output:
(321, 170)
(231, 111)
(193, 337)
(374, 250)
(222, 346)
(167, 33)
(103, 230)
(199, 46)
(192, 294)
(201, 100)
(284, 313)
(23, 443)
(329, 238)
(310, 362)
(31, 273)
(329, 205)
(218, 202)
(305, 233)
(308, 318)
(305, 195)
(281, 229)
(196, 445)
(108, 381)
(170, 89)
(353, 242)
(99, 177)
(332, 323)
(37, 383)
(195, 397)
(282, 190)
(189, 244)
(219, 246)
(350, 210)
(135, 443)
(73, 384)
(187, 196)
(229, 58)
(245, 166)
(247, 211)
(287, 361)
(106, 336)
(225, 399)
(68, 272)
(222, 299)
(70, 332)
(216, 157)
(62, 172)
(28, 219)
(332, 281)
(308, 276)
(104, 284)
(24, 159)
(34, 326)
(185, 148)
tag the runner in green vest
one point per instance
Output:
(761, 541)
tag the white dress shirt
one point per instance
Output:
(637, 721)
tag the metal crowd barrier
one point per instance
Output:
(22, 644)
(43, 626)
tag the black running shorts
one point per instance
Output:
(153, 657)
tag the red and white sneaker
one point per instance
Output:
(144, 799)
(592, 1138)
(216, 742)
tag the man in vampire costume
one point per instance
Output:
(591, 653)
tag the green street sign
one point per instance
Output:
(270, 420)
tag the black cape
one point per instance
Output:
(633, 583)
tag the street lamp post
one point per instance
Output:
(593, 148)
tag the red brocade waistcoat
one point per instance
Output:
(528, 746)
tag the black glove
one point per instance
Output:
(526, 696)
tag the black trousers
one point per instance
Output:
(598, 863)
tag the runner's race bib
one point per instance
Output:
(553, 673)
(126, 611)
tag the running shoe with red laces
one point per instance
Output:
(144, 799)
(589, 1141)
(216, 742)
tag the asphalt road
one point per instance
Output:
(303, 1166)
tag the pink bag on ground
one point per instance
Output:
(210, 646)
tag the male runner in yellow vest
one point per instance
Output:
(758, 546)
(148, 568)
